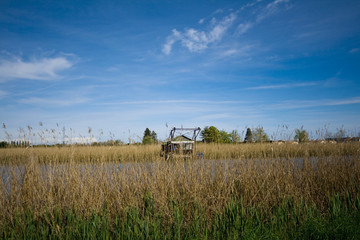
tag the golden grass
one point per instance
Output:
(66, 154)
(150, 153)
(86, 178)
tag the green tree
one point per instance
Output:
(260, 135)
(3, 144)
(249, 136)
(301, 135)
(147, 132)
(150, 137)
(148, 140)
(211, 134)
(154, 136)
(225, 137)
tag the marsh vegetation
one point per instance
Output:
(238, 190)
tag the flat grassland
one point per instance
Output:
(237, 191)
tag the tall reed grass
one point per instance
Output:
(132, 185)
(150, 153)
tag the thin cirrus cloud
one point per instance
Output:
(313, 103)
(280, 86)
(270, 9)
(197, 40)
(43, 69)
(176, 101)
(61, 102)
(244, 27)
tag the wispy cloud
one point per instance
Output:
(145, 102)
(354, 50)
(243, 51)
(250, 4)
(38, 69)
(169, 42)
(53, 102)
(244, 27)
(354, 100)
(313, 103)
(279, 86)
(270, 9)
(197, 40)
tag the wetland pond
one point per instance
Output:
(133, 172)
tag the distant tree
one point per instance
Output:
(150, 137)
(154, 136)
(301, 135)
(260, 135)
(147, 132)
(224, 137)
(210, 134)
(235, 137)
(3, 144)
(148, 140)
(249, 136)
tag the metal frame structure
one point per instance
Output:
(174, 148)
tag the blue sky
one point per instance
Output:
(122, 66)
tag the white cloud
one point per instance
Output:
(314, 103)
(278, 86)
(218, 11)
(231, 52)
(244, 27)
(250, 4)
(53, 102)
(219, 29)
(196, 40)
(170, 102)
(43, 69)
(270, 9)
(170, 41)
(354, 100)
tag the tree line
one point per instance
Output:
(213, 135)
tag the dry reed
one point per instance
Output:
(89, 178)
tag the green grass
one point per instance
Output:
(341, 220)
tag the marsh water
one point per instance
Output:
(133, 171)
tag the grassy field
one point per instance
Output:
(237, 191)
